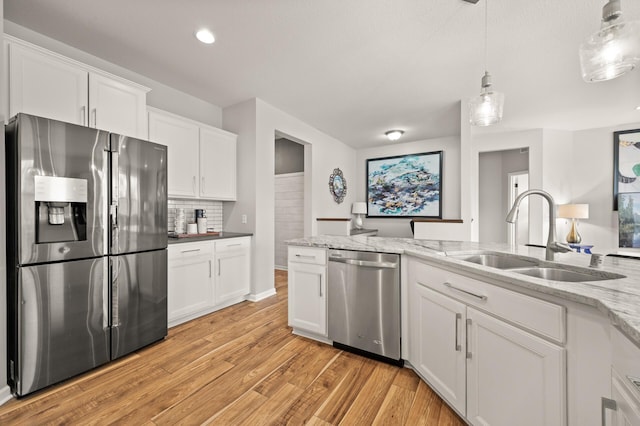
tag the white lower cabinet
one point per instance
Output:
(490, 371)
(623, 408)
(232, 269)
(190, 279)
(307, 278)
(206, 276)
(512, 375)
(438, 343)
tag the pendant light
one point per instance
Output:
(486, 108)
(612, 51)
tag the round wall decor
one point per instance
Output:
(337, 185)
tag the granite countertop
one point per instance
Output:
(223, 235)
(619, 299)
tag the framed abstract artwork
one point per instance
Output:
(626, 163)
(405, 186)
(629, 219)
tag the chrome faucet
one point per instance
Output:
(553, 246)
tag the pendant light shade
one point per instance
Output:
(613, 50)
(486, 108)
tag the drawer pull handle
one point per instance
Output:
(607, 404)
(467, 338)
(305, 256)
(234, 245)
(477, 296)
(457, 345)
(189, 251)
(209, 269)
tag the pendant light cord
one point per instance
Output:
(486, 37)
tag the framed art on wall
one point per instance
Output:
(405, 186)
(626, 163)
(629, 219)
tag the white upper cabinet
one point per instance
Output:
(217, 164)
(202, 159)
(117, 107)
(49, 85)
(182, 140)
(46, 86)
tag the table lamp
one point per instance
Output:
(573, 212)
(359, 209)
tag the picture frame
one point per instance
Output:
(629, 220)
(626, 163)
(405, 186)
(337, 185)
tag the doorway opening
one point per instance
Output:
(499, 171)
(289, 193)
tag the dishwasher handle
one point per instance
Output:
(365, 263)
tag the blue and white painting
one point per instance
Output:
(405, 186)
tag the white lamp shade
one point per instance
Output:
(359, 208)
(573, 211)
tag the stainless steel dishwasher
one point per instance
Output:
(364, 303)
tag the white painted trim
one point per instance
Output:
(5, 395)
(294, 174)
(258, 297)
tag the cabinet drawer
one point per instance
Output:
(317, 256)
(542, 317)
(184, 251)
(233, 244)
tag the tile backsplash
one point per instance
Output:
(213, 211)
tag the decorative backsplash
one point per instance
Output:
(214, 212)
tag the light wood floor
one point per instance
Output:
(237, 366)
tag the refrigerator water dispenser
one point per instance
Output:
(61, 209)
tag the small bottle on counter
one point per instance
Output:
(202, 223)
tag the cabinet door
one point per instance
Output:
(47, 86)
(437, 343)
(190, 279)
(232, 271)
(217, 164)
(117, 107)
(307, 297)
(513, 377)
(181, 138)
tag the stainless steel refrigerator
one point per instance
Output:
(86, 249)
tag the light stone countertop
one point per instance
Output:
(619, 299)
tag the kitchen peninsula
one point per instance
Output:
(483, 337)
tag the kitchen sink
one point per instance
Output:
(560, 274)
(533, 267)
(498, 260)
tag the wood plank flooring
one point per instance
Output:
(237, 366)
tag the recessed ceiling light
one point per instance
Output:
(205, 36)
(394, 135)
(638, 107)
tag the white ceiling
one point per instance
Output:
(356, 68)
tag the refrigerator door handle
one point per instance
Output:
(115, 193)
(115, 314)
(105, 294)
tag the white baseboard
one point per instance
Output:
(258, 297)
(5, 395)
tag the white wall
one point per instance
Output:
(591, 168)
(393, 227)
(256, 123)
(160, 96)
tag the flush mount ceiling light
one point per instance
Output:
(205, 36)
(612, 51)
(486, 108)
(394, 135)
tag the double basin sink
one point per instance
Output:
(536, 268)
